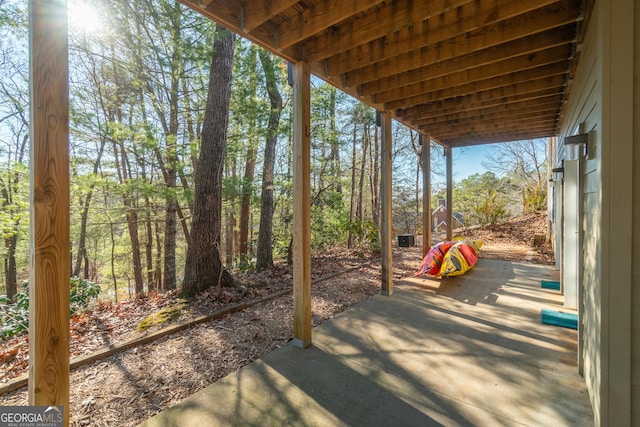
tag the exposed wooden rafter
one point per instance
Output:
(439, 66)
(411, 41)
(256, 13)
(318, 18)
(444, 88)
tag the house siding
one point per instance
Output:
(619, 53)
(585, 107)
(602, 100)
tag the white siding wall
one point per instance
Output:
(584, 107)
(602, 101)
(618, 34)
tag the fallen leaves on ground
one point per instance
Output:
(513, 240)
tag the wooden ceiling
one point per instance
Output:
(463, 72)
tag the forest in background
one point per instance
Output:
(139, 82)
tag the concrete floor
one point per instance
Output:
(466, 351)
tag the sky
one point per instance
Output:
(466, 161)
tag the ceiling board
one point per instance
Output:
(461, 71)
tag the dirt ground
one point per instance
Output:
(133, 385)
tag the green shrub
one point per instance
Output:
(82, 291)
(14, 316)
(534, 197)
(490, 209)
(365, 232)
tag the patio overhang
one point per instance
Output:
(462, 72)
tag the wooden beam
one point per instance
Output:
(550, 104)
(424, 88)
(425, 160)
(386, 217)
(464, 141)
(392, 17)
(498, 134)
(471, 102)
(443, 134)
(449, 216)
(488, 128)
(414, 81)
(415, 39)
(449, 57)
(545, 100)
(256, 12)
(516, 108)
(49, 224)
(226, 12)
(481, 99)
(440, 90)
(516, 115)
(301, 205)
(229, 14)
(554, 84)
(318, 18)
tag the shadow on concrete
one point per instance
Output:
(472, 352)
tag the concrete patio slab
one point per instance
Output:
(464, 351)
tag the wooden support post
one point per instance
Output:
(386, 219)
(49, 199)
(425, 157)
(301, 205)
(449, 217)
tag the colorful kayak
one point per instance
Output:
(433, 260)
(460, 258)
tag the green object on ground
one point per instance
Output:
(557, 318)
(165, 315)
(549, 284)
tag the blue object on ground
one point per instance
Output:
(557, 318)
(549, 284)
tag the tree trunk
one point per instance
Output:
(264, 256)
(170, 225)
(230, 225)
(10, 242)
(170, 126)
(245, 201)
(113, 262)
(82, 240)
(121, 161)
(157, 271)
(352, 205)
(132, 222)
(335, 145)
(165, 175)
(230, 209)
(82, 248)
(148, 246)
(191, 131)
(375, 168)
(363, 168)
(10, 269)
(203, 265)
